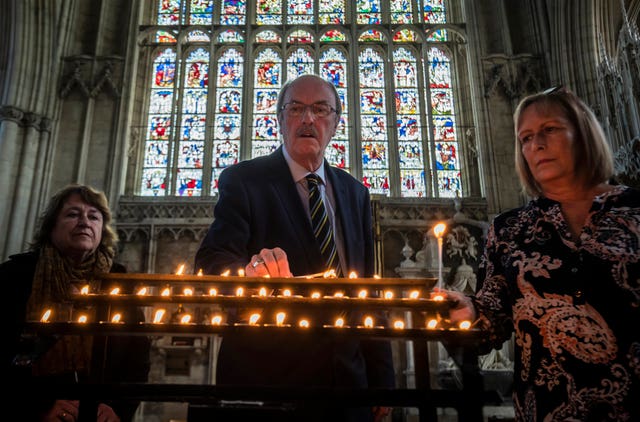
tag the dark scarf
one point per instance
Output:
(55, 281)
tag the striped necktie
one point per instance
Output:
(321, 225)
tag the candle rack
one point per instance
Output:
(425, 314)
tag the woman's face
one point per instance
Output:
(547, 139)
(78, 229)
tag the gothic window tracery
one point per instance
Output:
(217, 67)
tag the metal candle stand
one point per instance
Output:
(461, 344)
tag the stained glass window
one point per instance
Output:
(209, 105)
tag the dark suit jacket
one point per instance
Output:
(259, 207)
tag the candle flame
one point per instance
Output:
(368, 322)
(280, 316)
(388, 294)
(438, 297)
(432, 323)
(46, 315)
(329, 273)
(216, 320)
(415, 294)
(362, 294)
(82, 319)
(398, 324)
(188, 291)
(304, 323)
(116, 318)
(438, 229)
(465, 325)
(241, 272)
(180, 270)
(262, 292)
(84, 290)
(213, 291)
(240, 291)
(166, 291)
(142, 291)
(185, 319)
(253, 319)
(338, 294)
(200, 273)
(353, 274)
(226, 273)
(286, 292)
(157, 318)
(339, 322)
(376, 276)
(115, 291)
(315, 295)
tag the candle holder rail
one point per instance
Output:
(308, 307)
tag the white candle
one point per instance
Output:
(438, 231)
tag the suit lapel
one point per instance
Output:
(345, 213)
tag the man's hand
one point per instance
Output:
(271, 262)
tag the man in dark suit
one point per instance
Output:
(262, 225)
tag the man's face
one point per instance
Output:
(307, 135)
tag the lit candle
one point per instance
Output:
(188, 291)
(362, 294)
(200, 273)
(432, 323)
(82, 319)
(262, 292)
(304, 323)
(465, 325)
(399, 325)
(157, 317)
(339, 322)
(415, 294)
(368, 322)
(286, 293)
(388, 294)
(166, 292)
(438, 231)
(142, 291)
(213, 291)
(185, 319)
(280, 316)
(437, 296)
(353, 274)
(240, 291)
(216, 320)
(315, 295)
(225, 273)
(46, 315)
(116, 318)
(180, 270)
(253, 319)
(84, 290)
(115, 291)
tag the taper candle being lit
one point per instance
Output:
(438, 231)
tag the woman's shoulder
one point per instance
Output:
(117, 267)
(23, 260)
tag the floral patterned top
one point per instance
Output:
(574, 308)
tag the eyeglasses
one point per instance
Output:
(560, 89)
(295, 109)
